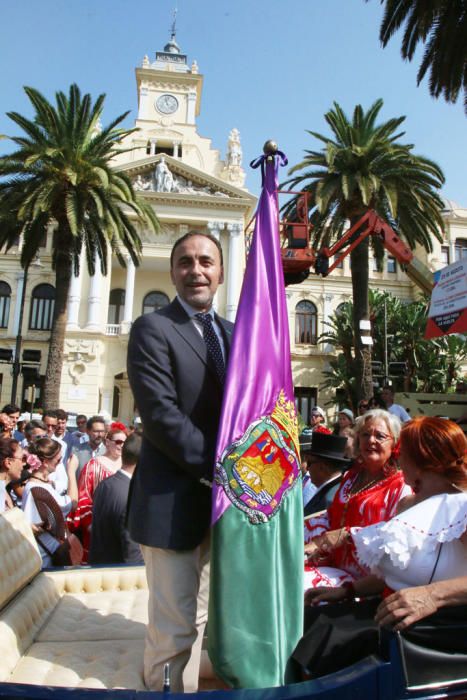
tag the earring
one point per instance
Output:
(417, 486)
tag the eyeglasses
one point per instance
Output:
(118, 442)
(363, 405)
(379, 437)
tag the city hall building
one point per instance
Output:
(191, 187)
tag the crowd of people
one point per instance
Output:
(385, 532)
(72, 485)
(385, 494)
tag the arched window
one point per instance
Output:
(341, 308)
(306, 317)
(116, 306)
(5, 295)
(42, 307)
(153, 301)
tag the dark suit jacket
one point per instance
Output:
(110, 540)
(323, 499)
(179, 397)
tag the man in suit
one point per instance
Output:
(110, 540)
(326, 463)
(176, 362)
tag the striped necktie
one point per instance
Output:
(212, 343)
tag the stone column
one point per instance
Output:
(74, 299)
(129, 295)
(235, 265)
(95, 301)
(191, 107)
(176, 146)
(153, 143)
(215, 228)
(19, 294)
(452, 251)
(143, 109)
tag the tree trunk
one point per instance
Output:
(53, 373)
(361, 311)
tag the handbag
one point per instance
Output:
(70, 550)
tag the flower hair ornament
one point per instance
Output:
(396, 450)
(33, 462)
(322, 429)
(118, 426)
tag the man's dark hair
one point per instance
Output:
(29, 427)
(190, 234)
(131, 450)
(50, 414)
(11, 408)
(94, 419)
(81, 416)
(61, 414)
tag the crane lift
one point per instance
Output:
(299, 256)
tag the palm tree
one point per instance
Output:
(61, 178)
(363, 166)
(442, 26)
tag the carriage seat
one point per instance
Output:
(75, 627)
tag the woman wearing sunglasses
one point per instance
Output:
(96, 470)
(369, 493)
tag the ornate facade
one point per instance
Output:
(191, 188)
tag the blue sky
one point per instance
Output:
(271, 68)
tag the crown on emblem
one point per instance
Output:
(285, 414)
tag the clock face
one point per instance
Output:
(167, 104)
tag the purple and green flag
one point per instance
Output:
(256, 590)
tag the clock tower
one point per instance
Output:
(169, 90)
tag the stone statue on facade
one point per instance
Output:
(163, 178)
(234, 149)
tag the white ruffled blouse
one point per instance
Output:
(403, 551)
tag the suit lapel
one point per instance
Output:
(185, 328)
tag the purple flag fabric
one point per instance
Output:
(257, 501)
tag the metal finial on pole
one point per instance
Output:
(270, 148)
(166, 686)
(174, 24)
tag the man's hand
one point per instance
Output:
(406, 606)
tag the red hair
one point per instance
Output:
(438, 445)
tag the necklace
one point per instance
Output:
(44, 481)
(354, 491)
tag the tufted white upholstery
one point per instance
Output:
(111, 664)
(77, 627)
(19, 554)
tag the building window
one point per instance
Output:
(116, 402)
(306, 318)
(392, 265)
(340, 266)
(341, 308)
(445, 254)
(166, 149)
(305, 399)
(460, 249)
(154, 301)
(116, 306)
(42, 307)
(5, 296)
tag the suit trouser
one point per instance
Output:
(178, 583)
